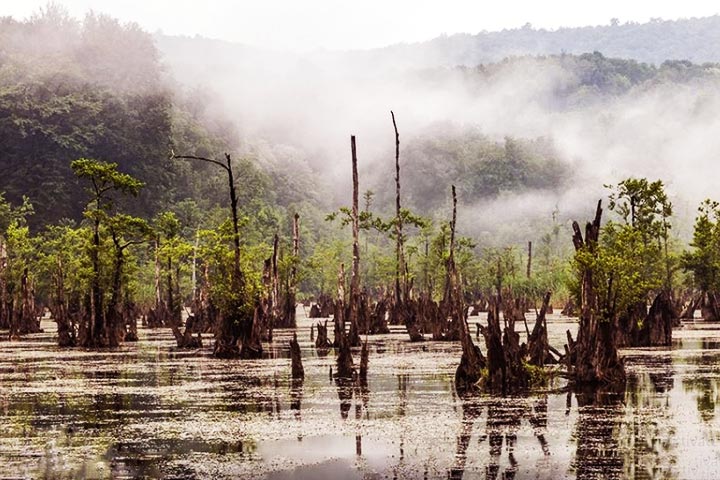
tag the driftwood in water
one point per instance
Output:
(593, 358)
(297, 367)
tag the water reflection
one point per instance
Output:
(146, 411)
(599, 419)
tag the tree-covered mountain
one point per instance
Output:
(693, 39)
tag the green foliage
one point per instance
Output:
(704, 260)
(631, 261)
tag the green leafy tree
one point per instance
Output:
(105, 180)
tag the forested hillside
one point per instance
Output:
(694, 39)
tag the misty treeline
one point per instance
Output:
(121, 206)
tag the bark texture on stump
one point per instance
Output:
(593, 357)
(298, 372)
(538, 345)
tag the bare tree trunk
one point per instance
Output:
(354, 338)
(296, 360)
(529, 261)
(538, 346)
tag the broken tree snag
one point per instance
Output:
(538, 346)
(688, 310)
(469, 372)
(709, 307)
(275, 290)
(593, 357)
(345, 367)
(453, 313)
(378, 322)
(505, 354)
(321, 341)
(529, 262)
(355, 273)
(339, 316)
(297, 367)
(657, 327)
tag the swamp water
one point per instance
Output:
(149, 411)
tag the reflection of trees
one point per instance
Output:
(647, 431)
(707, 387)
(347, 388)
(598, 424)
(504, 418)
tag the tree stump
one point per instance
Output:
(297, 367)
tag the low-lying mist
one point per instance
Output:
(661, 124)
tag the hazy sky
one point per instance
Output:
(342, 24)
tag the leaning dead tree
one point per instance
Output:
(593, 358)
(237, 332)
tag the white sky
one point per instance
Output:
(343, 24)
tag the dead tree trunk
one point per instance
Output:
(657, 327)
(594, 357)
(322, 342)
(288, 306)
(528, 271)
(538, 345)
(452, 308)
(355, 299)
(297, 367)
(400, 285)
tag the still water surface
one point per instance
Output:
(150, 411)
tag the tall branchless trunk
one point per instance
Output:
(66, 331)
(4, 310)
(96, 331)
(290, 302)
(158, 294)
(170, 294)
(194, 266)
(113, 310)
(400, 289)
(355, 274)
(238, 280)
(528, 271)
